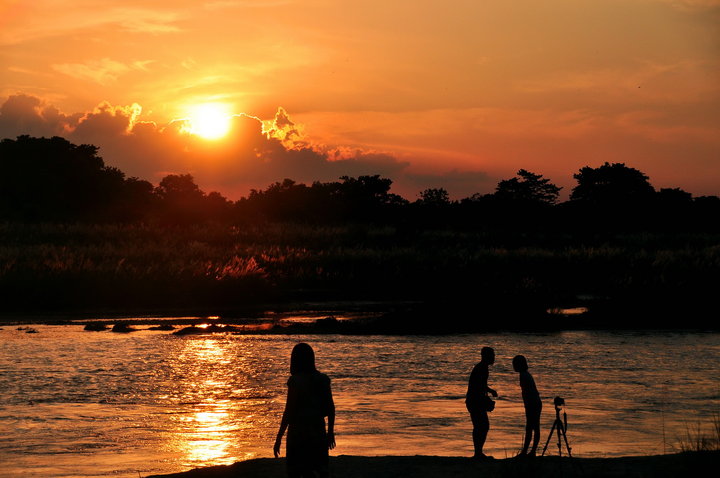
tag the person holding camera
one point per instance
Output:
(478, 402)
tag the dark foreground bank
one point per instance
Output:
(683, 464)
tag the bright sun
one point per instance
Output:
(209, 120)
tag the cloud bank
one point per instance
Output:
(254, 154)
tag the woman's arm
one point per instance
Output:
(289, 405)
(331, 419)
(281, 432)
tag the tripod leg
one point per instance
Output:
(549, 437)
(567, 445)
(560, 431)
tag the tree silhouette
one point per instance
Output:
(365, 198)
(674, 197)
(528, 188)
(52, 179)
(135, 201)
(371, 190)
(281, 201)
(181, 201)
(179, 188)
(611, 184)
(434, 197)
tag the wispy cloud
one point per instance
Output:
(102, 71)
(692, 4)
(221, 4)
(25, 71)
(146, 21)
(688, 80)
(44, 19)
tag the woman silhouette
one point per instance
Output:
(309, 401)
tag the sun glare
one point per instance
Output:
(209, 120)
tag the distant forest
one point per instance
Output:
(52, 180)
(77, 235)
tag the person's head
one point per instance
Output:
(487, 354)
(520, 363)
(302, 359)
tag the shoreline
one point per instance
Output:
(368, 317)
(322, 321)
(350, 466)
(323, 324)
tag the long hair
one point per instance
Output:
(302, 359)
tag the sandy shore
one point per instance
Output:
(344, 466)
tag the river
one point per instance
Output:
(92, 404)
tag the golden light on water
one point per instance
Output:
(205, 435)
(210, 440)
(207, 350)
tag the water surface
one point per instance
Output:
(87, 404)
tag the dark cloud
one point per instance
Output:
(458, 183)
(106, 120)
(23, 114)
(251, 156)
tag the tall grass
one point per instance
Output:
(92, 263)
(700, 437)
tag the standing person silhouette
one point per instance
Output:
(477, 400)
(533, 405)
(309, 401)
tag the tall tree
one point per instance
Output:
(181, 201)
(434, 197)
(529, 188)
(179, 187)
(611, 184)
(51, 179)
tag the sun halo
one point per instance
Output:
(209, 120)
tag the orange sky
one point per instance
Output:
(452, 93)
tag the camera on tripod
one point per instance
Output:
(559, 427)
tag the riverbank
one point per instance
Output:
(474, 280)
(682, 464)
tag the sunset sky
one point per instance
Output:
(454, 93)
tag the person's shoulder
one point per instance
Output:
(321, 377)
(296, 379)
(478, 369)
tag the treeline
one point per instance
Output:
(53, 180)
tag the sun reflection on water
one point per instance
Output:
(210, 440)
(205, 436)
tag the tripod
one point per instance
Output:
(560, 426)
